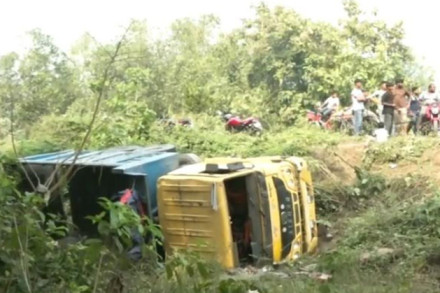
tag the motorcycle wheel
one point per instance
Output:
(425, 128)
(435, 126)
(315, 124)
(345, 127)
(257, 132)
(249, 130)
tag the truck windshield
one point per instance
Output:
(287, 215)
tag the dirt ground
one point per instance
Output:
(427, 165)
(341, 160)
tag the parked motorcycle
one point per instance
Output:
(236, 124)
(315, 118)
(342, 120)
(431, 119)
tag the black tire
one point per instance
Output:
(253, 130)
(315, 124)
(257, 132)
(344, 126)
(425, 128)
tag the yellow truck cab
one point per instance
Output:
(238, 211)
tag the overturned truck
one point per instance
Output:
(97, 174)
(257, 210)
(236, 211)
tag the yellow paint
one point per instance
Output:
(275, 220)
(192, 219)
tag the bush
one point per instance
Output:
(208, 138)
(336, 197)
(397, 149)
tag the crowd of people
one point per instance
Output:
(399, 110)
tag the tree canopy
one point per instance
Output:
(275, 65)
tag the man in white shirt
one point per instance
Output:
(357, 99)
(426, 99)
(430, 96)
(330, 104)
(378, 96)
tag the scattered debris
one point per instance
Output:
(366, 256)
(310, 268)
(266, 269)
(328, 237)
(384, 251)
(393, 166)
(308, 271)
(381, 253)
(321, 277)
(281, 275)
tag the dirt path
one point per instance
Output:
(340, 161)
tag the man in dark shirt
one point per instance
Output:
(414, 109)
(388, 107)
(401, 97)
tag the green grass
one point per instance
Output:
(373, 212)
(399, 149)
(401, 214)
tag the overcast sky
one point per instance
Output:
(67, 20)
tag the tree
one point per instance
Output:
(43, 81)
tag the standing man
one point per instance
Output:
(426, 99)
(377, 95)
(388, 107)
(401, 97)
(357, 99)
(414, 109)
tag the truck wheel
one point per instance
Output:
(188, 159)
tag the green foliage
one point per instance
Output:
(118, 222)
(208, 138)
(274, 66)
(41, 82)
(335, 197)
(30, 259)
(198, 273)
(402, 221)
(398, 149)
(123, 122)
(120, 225)
(409, 227)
